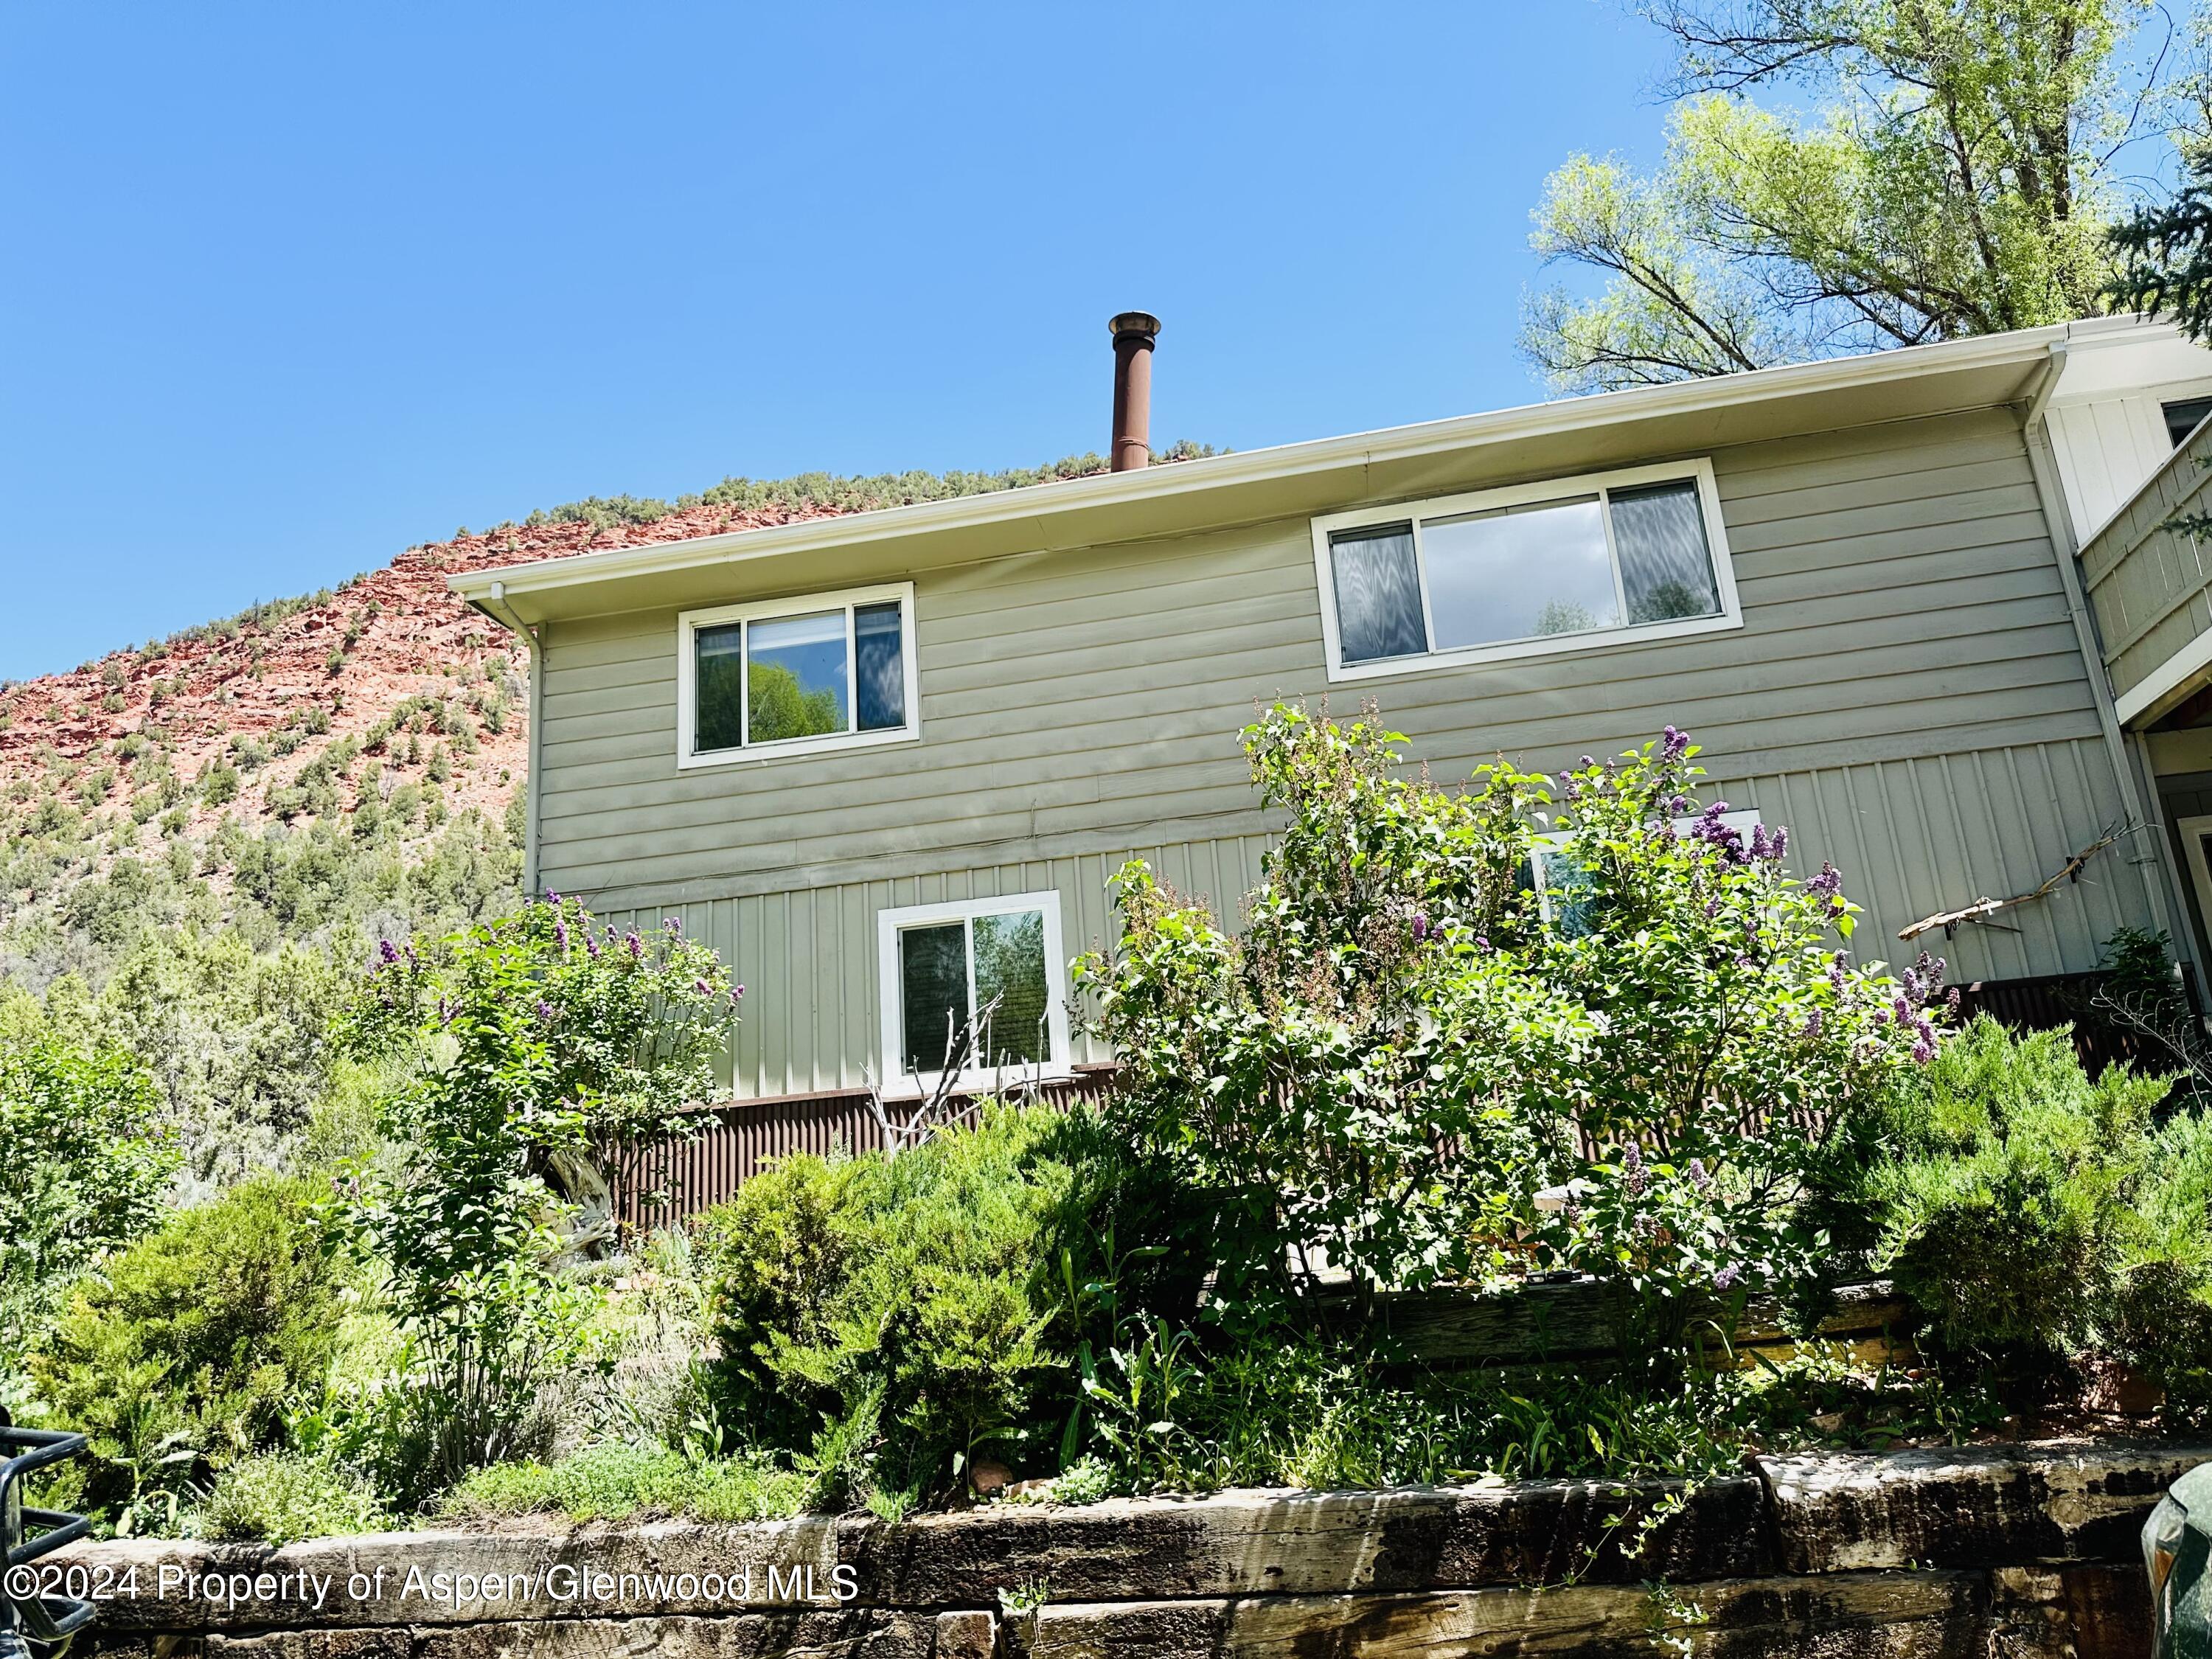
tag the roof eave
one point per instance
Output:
(1189, 495)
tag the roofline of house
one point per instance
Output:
(2028, 349)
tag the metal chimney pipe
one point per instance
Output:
(1134, 334)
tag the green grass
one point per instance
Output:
(618, 1483)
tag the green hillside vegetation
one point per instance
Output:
(841, 492)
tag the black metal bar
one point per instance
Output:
(43, 1620)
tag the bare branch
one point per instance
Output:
(1983, 909)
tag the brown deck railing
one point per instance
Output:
(2054, 1000)
(654, 1184)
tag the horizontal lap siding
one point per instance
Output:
(1906, 693)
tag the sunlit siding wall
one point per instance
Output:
(1906, 694)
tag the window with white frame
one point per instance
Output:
(794, 676)
(993, 965)
(1561, 883)
(1528, 571)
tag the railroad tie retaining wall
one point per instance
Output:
(2023, 1550)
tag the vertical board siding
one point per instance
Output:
(809, 1023)
(1912, 837)
(2106, 447)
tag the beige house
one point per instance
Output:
(1922, 607)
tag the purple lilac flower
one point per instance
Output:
(1727, 1276)
(591, 947)
(1778, 842)
(736, 991)
(552, 898)
(1813, 1024)
(1632, 1173)
(1699, 1178)
(384, 953)
(1901, 1010)
(560, 936)
(1912, 984)
(1679, 804)
(1758, 846)
(545, 1011)
(636, 945)
(673, 924)
(1827, 884)
(1836, 972)
(1420, 928)
(1923, 1051)
(1587, 760)
(1674, 744)
(1952, 1001)
(701, 986)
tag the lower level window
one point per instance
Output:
(1563, 885)
(979, 986)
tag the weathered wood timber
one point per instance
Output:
(1999, 1506)
(1578, 1320)
(2025, 1550)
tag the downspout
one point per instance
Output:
(2165, 887)
(504, 614)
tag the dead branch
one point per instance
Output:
(943, 1105)
(1983, 909)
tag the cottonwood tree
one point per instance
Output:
(1955, 175)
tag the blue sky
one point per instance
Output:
(289, 288)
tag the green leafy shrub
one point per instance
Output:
(915, 1290)
(617, 1482)
(1400, 1062)
(188, 1350)
(2037, 1215)
(2160, 1317)
(279, 1498)
(2005, 1193)
(83, 1160)
(533, 1036)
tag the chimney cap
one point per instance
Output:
(1134, 322)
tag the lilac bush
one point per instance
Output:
(1423, 1060)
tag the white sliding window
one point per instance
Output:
(1533, 570)
(795, 676)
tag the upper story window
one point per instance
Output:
(1529, 571)
(790, 676)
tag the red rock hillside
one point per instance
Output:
(336, 668)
